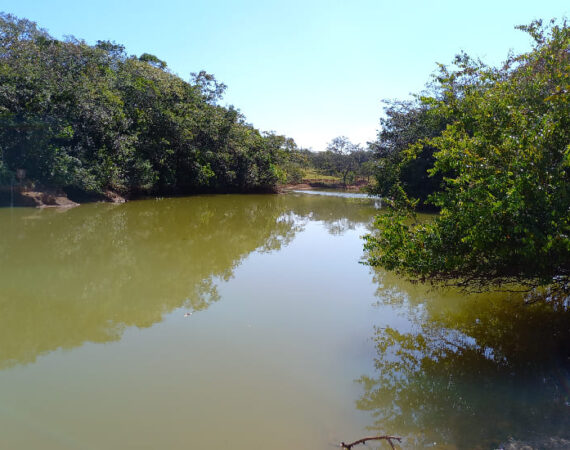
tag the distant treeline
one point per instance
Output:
(342, 161)
(90, 118)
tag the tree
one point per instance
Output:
(367, 169)
(341, 156)
(88, 119)
(153, 60)
(210, 88)
(407, 123)
(505, 206)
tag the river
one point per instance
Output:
(248, 322)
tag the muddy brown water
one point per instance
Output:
(248, 322)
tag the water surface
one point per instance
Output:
(247, 322)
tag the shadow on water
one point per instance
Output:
(469, 371)
(85, 274)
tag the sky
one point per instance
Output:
(312, 69)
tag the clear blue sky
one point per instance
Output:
(309, 69)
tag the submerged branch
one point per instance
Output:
(372, 438)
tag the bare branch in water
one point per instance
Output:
(372, 438)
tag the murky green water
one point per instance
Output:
(246, 322)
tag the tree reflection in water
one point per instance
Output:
(472, 372)
(86, 274)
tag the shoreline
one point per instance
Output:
(360, 187)
(21, 196)
(26, 197)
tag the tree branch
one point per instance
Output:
(372, 438)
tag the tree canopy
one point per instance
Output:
(406, 123)
(341, 158)
(90, 118)
(504, 158)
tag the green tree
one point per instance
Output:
(209, 87)
(153, 60)
(341, 157)
(407, 123)
(505, 154)
(89, 119)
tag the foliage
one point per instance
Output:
(341, 159)
(210, 88)
(343, 162)
(340, 156)
(505, 155)
(91, 118)
(407, 123)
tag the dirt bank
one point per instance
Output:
(39, 198)
(48, 198)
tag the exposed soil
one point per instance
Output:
(57, 198)
(39, 198)
(113, 197)
(49, 198)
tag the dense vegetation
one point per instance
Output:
(343, 159)
(407, 123)
(503, 157)
(90, 118)
(341, 163)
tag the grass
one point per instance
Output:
(311, 176)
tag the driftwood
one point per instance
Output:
(372, 438)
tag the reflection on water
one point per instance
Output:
(336, 193)
(85, 274)
(95, 351)
(469, 372)
(282, 330)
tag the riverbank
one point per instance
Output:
(36, 197)
(359, 186)
(24, 196)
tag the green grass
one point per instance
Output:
(311, 175)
